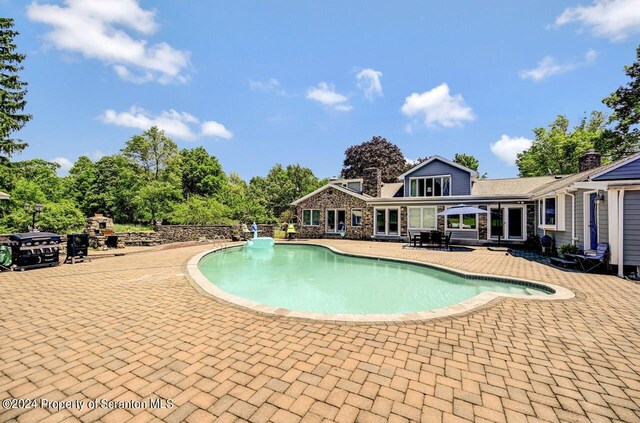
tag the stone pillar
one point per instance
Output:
(589, 160)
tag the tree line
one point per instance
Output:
(151, 180)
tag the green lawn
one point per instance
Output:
(130, 227)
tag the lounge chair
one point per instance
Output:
(590, 262)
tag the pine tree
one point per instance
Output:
(12, 92)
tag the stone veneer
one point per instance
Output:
(372, 182)
(184, 233)
(332, 198)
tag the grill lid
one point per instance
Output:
(35, 237)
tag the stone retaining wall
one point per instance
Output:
(183, 233)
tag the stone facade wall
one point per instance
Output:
(590, 160)
(483, 221)
(531, 220)
(185, 233)
(334, 199)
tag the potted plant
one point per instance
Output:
(568, 249)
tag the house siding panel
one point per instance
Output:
(603, 216)
(460, 179)
(628, 171)
(632, 228)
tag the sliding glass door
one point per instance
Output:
(387, 222)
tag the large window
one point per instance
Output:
(437, 186)
(356, 218)
(462, 221)
(310, 217)
(550, 211)
(422, 218)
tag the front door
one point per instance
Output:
(593, 220)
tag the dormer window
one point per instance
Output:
(432, 186)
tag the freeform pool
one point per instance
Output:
(313, 281)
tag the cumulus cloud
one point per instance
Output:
(369, 83)
(438, 107)
(96, 29)
(327, 95)
(548, 66)
(612, 19)
(175, 124)
(212, 128)
(65, 163)
(507, 148)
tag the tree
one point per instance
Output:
(467, 161)
(156, 157)
(557, 150)
(198, 210)
(624, 137)
(114, 190)
(154, 152)
(243, 205)
(201, 173)
(80, 183)
(12, 92)
(378, 153)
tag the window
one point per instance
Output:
(355, 186)
(436, 186)
(356, 217)
(550, 211)
(422, 217)
(462, 221)
(310, 217)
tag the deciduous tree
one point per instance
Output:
(378, 153)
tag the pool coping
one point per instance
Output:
(473, 303)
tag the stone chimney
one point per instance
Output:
(589, 160)
(372, 182)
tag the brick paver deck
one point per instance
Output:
(134, 328)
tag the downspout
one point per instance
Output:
(621, 233)
(573, 214)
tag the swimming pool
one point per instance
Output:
(313, 281)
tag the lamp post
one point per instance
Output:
(35, 209)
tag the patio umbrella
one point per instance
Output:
(461, 209)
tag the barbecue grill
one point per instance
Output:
(34, 249)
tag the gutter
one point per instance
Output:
(569, 192)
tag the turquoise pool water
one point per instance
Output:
(315, 279)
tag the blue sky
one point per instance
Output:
(257, 83)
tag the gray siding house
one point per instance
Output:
(599, 204)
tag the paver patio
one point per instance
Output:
(135, 328)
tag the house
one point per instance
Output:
(601, 203)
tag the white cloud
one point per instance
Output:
(369, 82)
(327, 95)
(507, 148)
(65, 164)
(438, 107)
(175, 124)
(612, 19)
(96, 29)
(271, 85)
(212, 128)
(548, 66)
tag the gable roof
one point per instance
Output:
(330, 185)
(587, 175)
(442, 159)
(389, 190)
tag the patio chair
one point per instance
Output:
(447, 241)
(414, 238)
(425, 238)
(436, 238)
(590, 262)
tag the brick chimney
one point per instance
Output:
(372, 182)
(589, 160)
